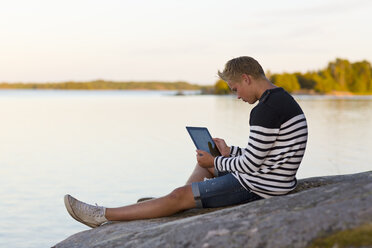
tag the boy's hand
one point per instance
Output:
(205, 159)
(213, 150)
(222, 147)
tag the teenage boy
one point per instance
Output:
(266, 167)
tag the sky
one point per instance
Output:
(175, 40)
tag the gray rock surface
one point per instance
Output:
(319, 206)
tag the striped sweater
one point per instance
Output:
(276, 146)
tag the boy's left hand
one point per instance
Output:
(205, 159)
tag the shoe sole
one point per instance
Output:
(72, 214)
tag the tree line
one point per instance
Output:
(103, 85)
(339, 75)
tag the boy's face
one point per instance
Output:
(243, 89)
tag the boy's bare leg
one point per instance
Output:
(179, 199)
(199, 174)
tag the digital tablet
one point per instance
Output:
(203, 140)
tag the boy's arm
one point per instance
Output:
(235, 151)
(226, 150)
(250, 159)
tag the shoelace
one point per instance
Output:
(90, 210)
(100, 212)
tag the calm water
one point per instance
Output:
(112, 147)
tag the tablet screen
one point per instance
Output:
(203, 140)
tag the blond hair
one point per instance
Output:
(235, 67)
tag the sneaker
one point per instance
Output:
(90, 215)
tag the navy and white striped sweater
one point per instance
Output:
(276, 146)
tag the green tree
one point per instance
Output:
(324, 82)
(286, 80)
(306, 80)
(341, 72)
(361, 77)
(221, 88)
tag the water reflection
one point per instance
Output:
(339, 136)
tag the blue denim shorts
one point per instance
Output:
(224, 190)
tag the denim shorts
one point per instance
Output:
(224, 190)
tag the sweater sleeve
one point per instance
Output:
(235, 151)
(261, 141)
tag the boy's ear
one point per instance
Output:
(246, 78)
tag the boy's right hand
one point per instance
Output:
(222, 147)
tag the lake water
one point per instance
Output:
(112, 147)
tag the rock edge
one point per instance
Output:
(318, 207)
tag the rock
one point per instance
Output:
(317, 208)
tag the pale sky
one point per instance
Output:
(170, 40)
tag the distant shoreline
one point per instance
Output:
(179, 86)
(102, 85)
(339, 78)
(332, 93)
(180, 92)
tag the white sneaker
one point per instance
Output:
(90, 215)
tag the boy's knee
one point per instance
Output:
(181, 193)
